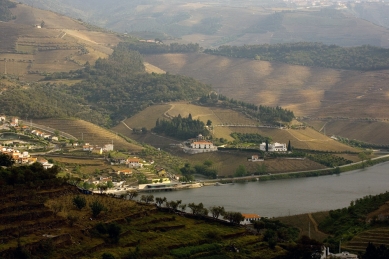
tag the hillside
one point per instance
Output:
(209, 23)
(49, 218)
(369, 131)
(61, 44)
(307, 91)
(89, 133)
(221, 119)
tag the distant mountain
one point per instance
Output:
(209, 23)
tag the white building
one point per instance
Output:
(108, 147)
(248, 218)
(275, 147)
(200, 146)
(343, 255)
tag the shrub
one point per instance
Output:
(79, 202)
(96, 208)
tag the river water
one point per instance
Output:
(291, 196)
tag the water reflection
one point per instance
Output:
(292, 196)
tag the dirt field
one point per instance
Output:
(307, 91)
(374, 132)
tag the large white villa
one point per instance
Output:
(200, 146)
(275, 147)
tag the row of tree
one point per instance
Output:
(263, 113)
(181, 127)
(365, 57)
(157, 48)
(249, 138)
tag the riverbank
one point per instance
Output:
(300, 174)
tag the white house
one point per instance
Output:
(200, 146)
(108, 147)
(249, 217)
(275, 147)
(343, 255)
(134, 162)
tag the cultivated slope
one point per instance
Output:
(62, 44)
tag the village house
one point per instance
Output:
(134, 162)
(248, 218)
(125, 171)
(97, 150)
(14, 122)
(17, 156)
(108, 147)
(161, 173)
(45, 163)
(275, 147)
(87, 147)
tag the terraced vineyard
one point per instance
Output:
(378, 236)
(46, 222)
(89, 133)
(227, 121)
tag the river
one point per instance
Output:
(291, 196)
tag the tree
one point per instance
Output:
(209, 123)
(363, 157)
(102, 187)
(147, 198)
(182, 207)
(132, 194)
(160, 200)
(6, 160)
(96, 208)
(107, 256)
(173, 205)
(109, 184)
(114, 231)
(233, 217)
(267, 145)
(216, 211)
(79, 202)
(198, 209)
(240, 171)
(289, 146)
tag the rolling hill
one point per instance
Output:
(209, 23)
(30, 50)
(226, 121)
(309, 92)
